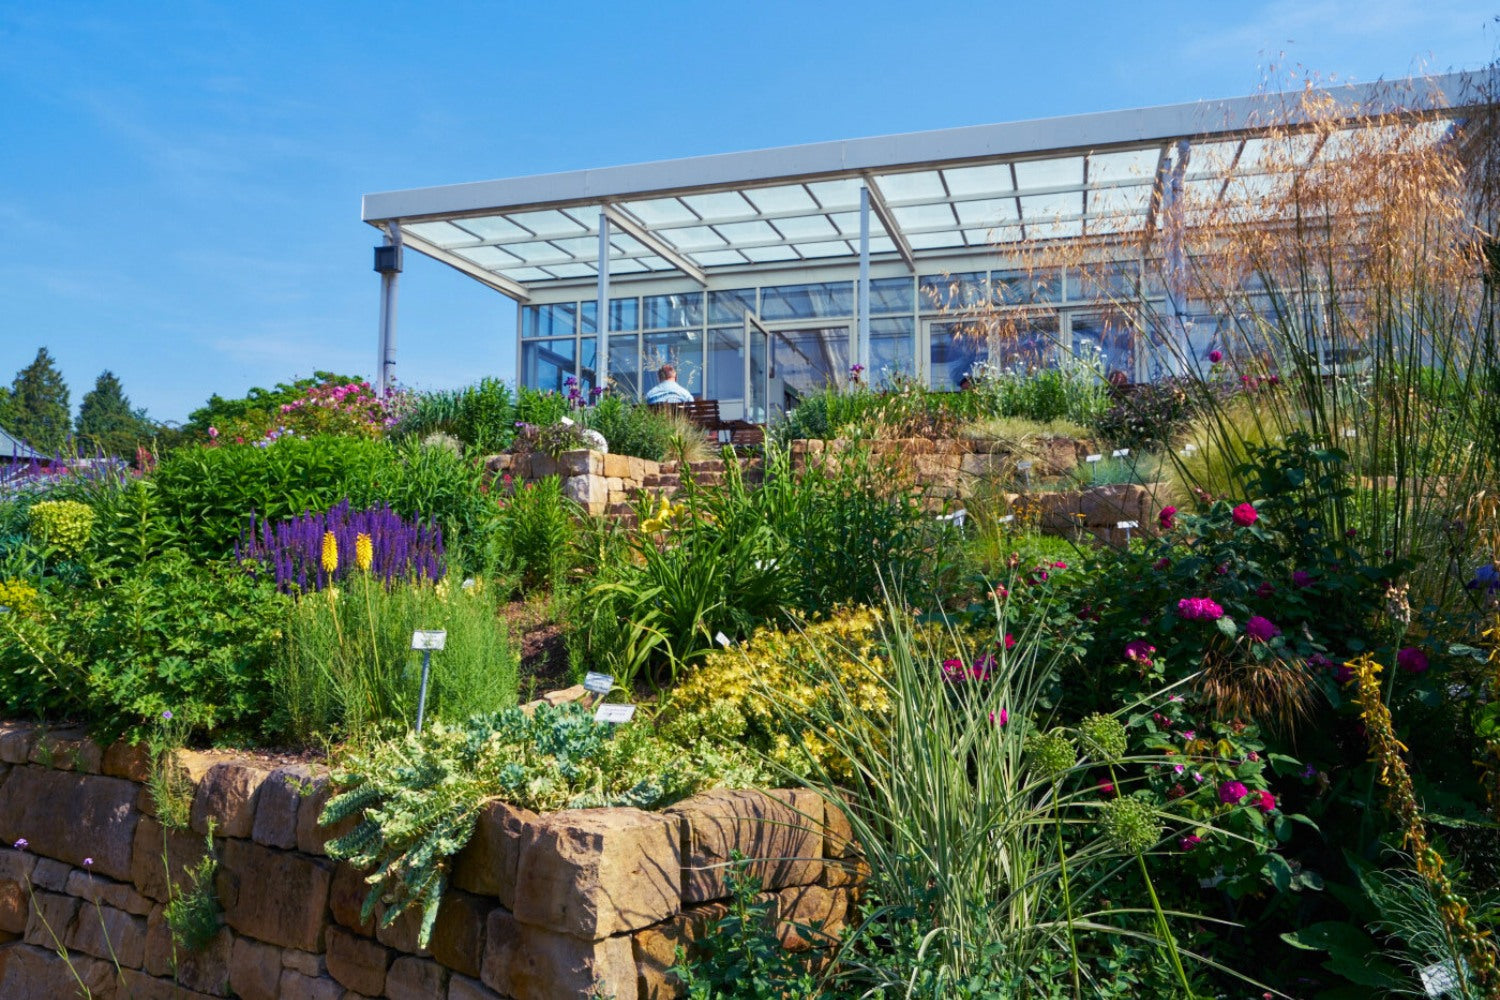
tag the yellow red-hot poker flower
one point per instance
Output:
(364, 552)
(330, 552)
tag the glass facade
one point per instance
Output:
(935, 327)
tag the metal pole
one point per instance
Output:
(386, 369)
(422, 696)
(601, 311)
(1176, 226)
(862, 345)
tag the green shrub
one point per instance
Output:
(482, 416)
(346, 662)
(533, 533)
(65, 525)
(630, 428)
(209, 492)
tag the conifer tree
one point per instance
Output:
(38, 407)
(105, 420)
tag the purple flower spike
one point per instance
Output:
(22, 844)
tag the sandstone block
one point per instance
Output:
(254, 970)
(487, 865)
(226, 798)
(15, 902)
(415, 979)
(655, 948)
(596, 872)
(402, 932)
(68, 750)
(581, 463)
(93, 888)
(616, 466)
(71, 817)
(541, 466)
(189, 765)
(205, 970)
(844, 863)
(304, 962)
(295, 984)
(276, 897)
(458, 933)
(357, 962)
(809, 916)
(139, 986)
(38, 973)
(586, 490)
(50, 874)
(131, 761)
(311, 834)
(346, 898)
(149, 870)
(16, 741)
(51, 919)
(1103, 506)
(276, 806)
(530, 963)
(779, 833)
(464, 988)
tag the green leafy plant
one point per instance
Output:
(193, 911)
(534, 531)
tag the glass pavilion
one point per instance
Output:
(764, 275)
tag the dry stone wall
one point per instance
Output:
(558, 905)
(596, 480)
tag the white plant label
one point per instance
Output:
(1127, 525)
(1350, 432)
(1189, 448)
(1024, 466)
(1093, 458)
(614, 713)
(1119, 453)
(424, 638)
(722, 639)
(1439, 978)
(1006, 519)
(598, 683)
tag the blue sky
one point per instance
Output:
(180, 182)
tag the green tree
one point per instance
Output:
(106, 421)
(38, 408)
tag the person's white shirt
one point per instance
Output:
(670, 391)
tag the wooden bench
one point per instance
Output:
(705, 413)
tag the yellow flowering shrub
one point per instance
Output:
(725, 700)
(63, 524)
(18, 595)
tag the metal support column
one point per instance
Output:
(601, 311)
(1175, 225)
(389, 266)
(862, 341)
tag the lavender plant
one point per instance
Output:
(298, 554)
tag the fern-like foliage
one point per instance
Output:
(419, 796)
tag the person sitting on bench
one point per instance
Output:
(667, 389)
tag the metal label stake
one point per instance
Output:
(426, 640)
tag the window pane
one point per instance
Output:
(588, 371)
(625, 364)
(834, 298)
(805, 361)
(548, 321)
(730, 306)
(1021, 287)
(954, 291)
(662, 311)
(685, 350)
(892, 295)
(1107, 339)
(892, 349)
(726, 363)
(623, 314)
(545, 363)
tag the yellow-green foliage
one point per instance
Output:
(63, 524)
(724, 700)
(18, 595)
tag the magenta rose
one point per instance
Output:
(1301, 578)
(1261, 629)
(1167, 518)
(1199, 609)
(1245, 515)
(1215, 356)
(1231, 792)
(1139, 651)
(1264, 801)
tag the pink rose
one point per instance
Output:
(1245, 515)
(1167, 518)
(1412, 660)
(1261, 629)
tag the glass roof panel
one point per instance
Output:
(572, 270)
(989, 179)
(1209, 158)
(549, 222)
(494, 227)
(443, 234)
(714, 258)
(923, 216)
(881, 244)
(579, 246)
(527, 274)
(1053, 230)
(803, 227)
(1427, 133)
(626, 266)
(625, 243)
(1199, 192)
(1115, 223)
(719, 205)
(935, 241)
(920, 185)
(831, 248)
(786, 198)
(848, 223)
(987, 212)
(747, 232)
(693, 238)
(762, 255)
(489, 257)
(660, 211)
(1118, 200)
(1050, 206)
(992, 235)
(839, 195)
(1130, 164)
(1049, 173)
(1257, 187)
(535, 253)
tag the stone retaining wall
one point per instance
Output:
(596, 480)
(539, 907)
